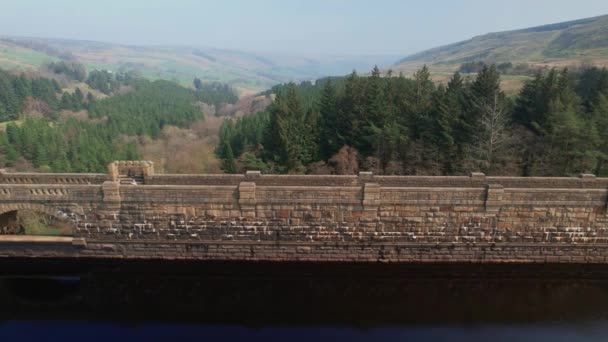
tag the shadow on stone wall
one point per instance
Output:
(30, 222)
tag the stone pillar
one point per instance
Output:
(371, 193)
(371, 196)
(247, 199)
(113, 171)
(147, 168)
(111, 194)
(494, 193)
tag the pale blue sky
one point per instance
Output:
(310, 27)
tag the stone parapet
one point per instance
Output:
(365, 217)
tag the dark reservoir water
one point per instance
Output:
(120, 301)
(100, 331)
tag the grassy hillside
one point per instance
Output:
(562, 44)
(243, 70)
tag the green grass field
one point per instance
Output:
(21, 58)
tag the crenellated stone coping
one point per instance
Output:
(37, 192)
(52, 178)
(134, 168)
(49, 192)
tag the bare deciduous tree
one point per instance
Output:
(492, 137)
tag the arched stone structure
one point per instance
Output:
(365, 218)
(9, 215)
(39, 208)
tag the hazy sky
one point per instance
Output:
(289, 26)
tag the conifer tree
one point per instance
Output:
(67, 101)
(228, 164)
(331, 140)
(23, 87)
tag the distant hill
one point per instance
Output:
(560, 44)
(244, 70)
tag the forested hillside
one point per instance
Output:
(47, 128)
(556, 126)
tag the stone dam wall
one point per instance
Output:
(133, 213)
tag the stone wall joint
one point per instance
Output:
(247, 200)
(371, 196)
(494, 197)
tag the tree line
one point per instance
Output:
(15, 90)
(557, 125)
(215, 93)
(87, 144)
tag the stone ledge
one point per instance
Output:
(36, 239)
(338, 244)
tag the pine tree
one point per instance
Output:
(421, 102)
(288, 137)
(331, 137)
(487, 85)
(78, 99)
(23, 88)
(56, 85)
(350, 110)
(41, 157)
(9, 103)
(67, 101)
(450, 132)
(228, 163)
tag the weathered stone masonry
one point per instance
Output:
(133, 213)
